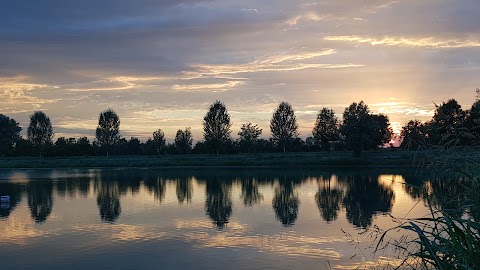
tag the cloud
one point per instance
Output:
(16, 94)
(428, 42)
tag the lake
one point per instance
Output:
(211, 218)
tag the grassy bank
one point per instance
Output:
(383, 157)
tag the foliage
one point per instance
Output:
(158, 141)
(108, 130)
(359, 128)
(9, 134)
(326, 130)
(40, 131)
(249, 134)
(414, 135)
(216, 126)
(184, 140)
(283, 126)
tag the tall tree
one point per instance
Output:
(108, 130)
(284, 126)
(249, 134)
(184, 140)
(326, 130)
(447, 127)
(40, 131)
(362, 130)
(216, 126)
(414, 135)
(474, 119)
(159, 141)
(383, 131)
(9, 134)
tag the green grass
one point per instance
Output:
(444, 239)
(379, 158)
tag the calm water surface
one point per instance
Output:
(200, 219)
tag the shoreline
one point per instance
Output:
(383, 158)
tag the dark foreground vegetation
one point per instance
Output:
(360, 130)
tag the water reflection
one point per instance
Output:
(329, 200)
(184, 190)
(365, 197)
(285, 202)
(15, 193)
(358, 197)
(156, 185)
(218, 203)
(250, 193)
(40, 199)
(108, 199)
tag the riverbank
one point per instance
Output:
(379, 158)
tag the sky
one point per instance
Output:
(160, 64)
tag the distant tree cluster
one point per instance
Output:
(450, 126)
(359, 130)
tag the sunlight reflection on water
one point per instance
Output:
(263, 218)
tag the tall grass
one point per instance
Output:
(449, 237)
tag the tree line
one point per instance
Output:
(360, 130)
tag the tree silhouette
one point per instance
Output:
(40, 131)
(329, 201)
(158, 141)
(108, 200)
(216, 126)
(364, 198)
(447, 127)
(157, 185)
(183, 140)
(414, 135)
(184, 190)
(249, 134)
(250, 193)
(108, 130)
(40, 199)
(283, 126)
(9, 134)
(383, 132)
(285, 203)
(360, 129)
(326, 130)
(218, 203)
(474, 120)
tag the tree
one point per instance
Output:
(40, 131)
(358, 127)
(9, 134)
(413, 134)
(284, 126)
(159, 141)
(108, 132)
(249, 134)
(326, 130)
(447, 127)
(383, 131)
(183, 140)
(473, 119)
(216, 126)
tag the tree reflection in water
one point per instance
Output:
(157, 185)
(218, 203)
(40, 199)
(328, 200)
(108, 194)
(15, 193)
(250, 193)
(365, 198)
(184, 190)
(285, 202)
